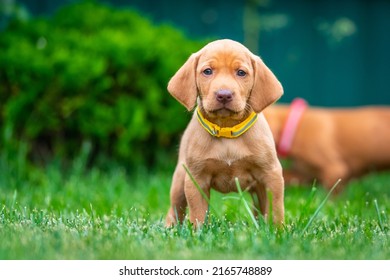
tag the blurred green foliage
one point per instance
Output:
(91, 75)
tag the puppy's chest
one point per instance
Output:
(219, 172)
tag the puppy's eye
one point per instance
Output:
(208, 71)
(241, 73)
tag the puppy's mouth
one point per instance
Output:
(224, 112)
(227, 114)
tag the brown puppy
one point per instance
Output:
(225, 138)
(332, 144)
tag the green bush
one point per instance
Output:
(91, 74)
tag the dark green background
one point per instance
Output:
(331, 52)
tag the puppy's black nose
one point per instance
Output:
(224, 95)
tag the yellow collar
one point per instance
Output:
(227, 132)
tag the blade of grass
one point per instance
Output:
(379, 214)
(312, 193)
(2, 210)
(241, 194)
(13, 202)
(309, 200)
(230, 197)
(320, 207)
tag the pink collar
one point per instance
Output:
(297, 107)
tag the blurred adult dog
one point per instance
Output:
(330, 144)
(228, 135)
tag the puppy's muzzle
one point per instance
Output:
(224, 96)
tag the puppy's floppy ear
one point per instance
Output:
(266, 87)
(182, 85)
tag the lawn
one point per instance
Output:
(80, 213)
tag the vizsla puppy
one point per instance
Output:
(228, 135)
(330, 144)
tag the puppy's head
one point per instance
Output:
(229, 80)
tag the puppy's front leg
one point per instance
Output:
(178, 207)
(273, 180)
(197, 204)
(278, 203)
(260, 201)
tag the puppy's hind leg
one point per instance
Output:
(177, 210)
(332, 173)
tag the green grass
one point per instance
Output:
(90, 214)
